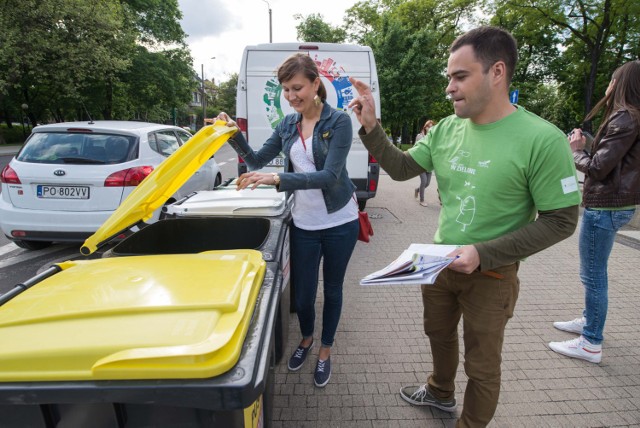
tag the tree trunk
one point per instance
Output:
(107, 111)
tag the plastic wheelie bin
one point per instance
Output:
(219, 219)
(166, 339)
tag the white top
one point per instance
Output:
(309, 210)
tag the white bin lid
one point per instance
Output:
(264, 201)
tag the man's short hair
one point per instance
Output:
(490, 45)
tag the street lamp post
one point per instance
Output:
(204, 102)
(270, 32)
(204, 95)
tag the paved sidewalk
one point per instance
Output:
(380, 345)
(6, 150)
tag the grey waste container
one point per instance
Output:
(240, 397)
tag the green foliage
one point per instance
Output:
(74, 59)
(410, 76)
(225, 97)
(156, 21)
(158, 81)
(314, 29)
(363, 20)
(410, 40)
(596, 37)
(16, 134)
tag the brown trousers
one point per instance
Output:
(485, 305)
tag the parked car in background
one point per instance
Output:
(69, 177)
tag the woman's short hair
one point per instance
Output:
(300, 63)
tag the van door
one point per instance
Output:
(265, 105)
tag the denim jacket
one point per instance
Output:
(332, 138)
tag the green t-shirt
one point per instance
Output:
(494, 178)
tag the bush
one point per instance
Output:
(14, 134)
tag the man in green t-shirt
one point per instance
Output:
(509, 189)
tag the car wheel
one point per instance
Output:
(32, 245)
(362, 203)
(218, 181)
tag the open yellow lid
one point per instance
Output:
(163, 182)
(138, 317)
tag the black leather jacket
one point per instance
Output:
(612, 170)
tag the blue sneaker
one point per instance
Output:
(323, 373)
(298, 357)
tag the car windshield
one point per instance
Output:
(85, 148)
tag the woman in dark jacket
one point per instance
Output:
(611, 192)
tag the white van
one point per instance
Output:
(260, 102)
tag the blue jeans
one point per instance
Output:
(335, 245)
(597, 234)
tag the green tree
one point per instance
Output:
(157, 21)
(52, 51)
(410, 40)
(411, 80)
(156, 83)
(71, 59)
(313, 29)
(596, 37)
(225, 96)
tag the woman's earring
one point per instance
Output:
(317, 101)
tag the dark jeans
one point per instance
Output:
(335, 246)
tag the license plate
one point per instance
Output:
(62, 192)
(279, 161)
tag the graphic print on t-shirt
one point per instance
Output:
(467, 209)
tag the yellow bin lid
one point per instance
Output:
(138, 317)
(163, 182)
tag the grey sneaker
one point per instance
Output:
(573, 326)
(420, 396)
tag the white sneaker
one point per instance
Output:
(578, 348)
(573, 326)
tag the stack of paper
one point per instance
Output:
(419, 264)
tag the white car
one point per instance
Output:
(68, 178)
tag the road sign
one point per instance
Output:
(513, 96)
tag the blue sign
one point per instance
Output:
(513, 96)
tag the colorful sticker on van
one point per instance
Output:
(329, 69)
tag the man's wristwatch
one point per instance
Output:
(276, 179)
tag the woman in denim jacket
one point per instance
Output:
(610, 195)
(325, 212)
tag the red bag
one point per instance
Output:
(366, 230)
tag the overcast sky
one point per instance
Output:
(222, 29)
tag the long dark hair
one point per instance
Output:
(625, 94)
(300, 63)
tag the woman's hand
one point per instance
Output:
(226, 119)
(254, 179)
(577, 141)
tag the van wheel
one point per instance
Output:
(362, 203)
(32, 245)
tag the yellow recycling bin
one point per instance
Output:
(171, 339)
